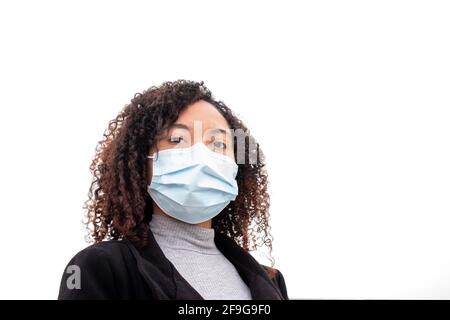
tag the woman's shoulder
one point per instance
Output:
(104, 247)
(91, 272)
(109, 254)
(277, 277)
(109, 249)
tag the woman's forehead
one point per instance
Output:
(204, 113)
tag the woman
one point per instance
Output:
(180, 194)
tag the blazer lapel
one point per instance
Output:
(253, 274)
(160, 274)
(167, 283)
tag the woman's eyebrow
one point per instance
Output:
(210, 131)
(180, 126)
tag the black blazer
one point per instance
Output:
(115, 269)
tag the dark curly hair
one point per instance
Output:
(118, 205)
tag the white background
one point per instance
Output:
(349, 100)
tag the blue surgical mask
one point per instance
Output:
(193, 184)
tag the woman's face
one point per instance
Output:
(198, 122)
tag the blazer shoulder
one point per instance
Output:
(90, 274)
(277, 277)
(107, 247)
(110, 250)
(271, 272)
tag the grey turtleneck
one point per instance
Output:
(193, 252)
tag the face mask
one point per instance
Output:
(193, 184)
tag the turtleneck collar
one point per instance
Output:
(175, 234)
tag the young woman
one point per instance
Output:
(178, 199)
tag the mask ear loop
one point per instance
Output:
(154, 157)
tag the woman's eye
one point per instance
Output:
(175, 139)
(219, 145)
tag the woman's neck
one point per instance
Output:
(157, 210)
(176, 234)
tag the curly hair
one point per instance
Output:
(119, 206)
